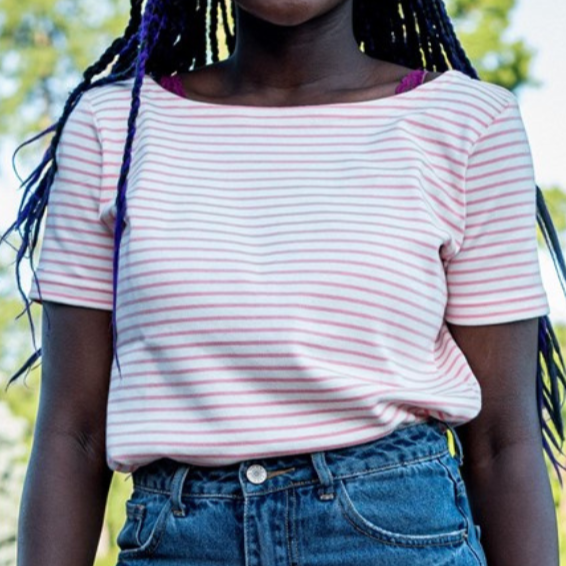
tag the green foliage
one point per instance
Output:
(45, 45)
(481, 27)
(555, 199)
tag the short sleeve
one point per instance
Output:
(75, 261)
(495, 275)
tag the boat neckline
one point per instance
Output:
(148, 79)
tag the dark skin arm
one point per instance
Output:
(67, 480)
(503, 467)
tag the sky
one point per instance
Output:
(542, 24)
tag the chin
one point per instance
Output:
(288, 12)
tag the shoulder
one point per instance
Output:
(115, 95)
(475, 95)
(109, 105)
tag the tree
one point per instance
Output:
(45, 45)
(481, 26)
(555, 199)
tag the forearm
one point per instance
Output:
(63, 502)
(511, 499)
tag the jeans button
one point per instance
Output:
(256, 473)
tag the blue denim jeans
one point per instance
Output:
(396, 501)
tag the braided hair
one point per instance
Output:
(165, 37)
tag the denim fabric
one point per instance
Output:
(396, 501)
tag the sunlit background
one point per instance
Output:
(28, 105)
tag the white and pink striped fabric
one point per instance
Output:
(287, 273)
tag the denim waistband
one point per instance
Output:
(404, 445)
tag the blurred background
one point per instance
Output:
(45, 45)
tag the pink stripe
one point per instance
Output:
(215, 444)
(175, 432)
(468, 295)
(58, 284)
(353, 301)
(256, 415)
(240, 380)
(278, 343)
(495, 304)
(275, 403)
(227, 330)
(170, 321)
(179, 333)
(495, 161)
(212, 261)
(270, 169)
(499, 171)
(77, 254)
(457, 270)
(260, 392)
(71, 299)
(198, 150)
(76, 158)
(493, 148)
(498, 185)
(98, 282)
(455, 283)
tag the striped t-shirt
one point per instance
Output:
(286, 273)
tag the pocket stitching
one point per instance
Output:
(368, 528)
(135, 512)
(460, 493)
(154, 537)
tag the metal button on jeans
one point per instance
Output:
(256, 473)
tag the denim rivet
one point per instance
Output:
(256, 474)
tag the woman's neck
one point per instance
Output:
(320, 54)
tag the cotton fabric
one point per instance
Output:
(287, 273)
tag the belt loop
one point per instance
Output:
(177, 489)
(326, 491)
(457, 443)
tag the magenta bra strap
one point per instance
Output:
(172, 84)
(409, 81)
(412, 80)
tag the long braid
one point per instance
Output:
(434, 34)
(450, 42)
(151, 24)
(213, 31)
(171, 37)
(230, 37)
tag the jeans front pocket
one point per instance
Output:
(146, 517)
(411, 504)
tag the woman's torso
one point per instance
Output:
(283, 283)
